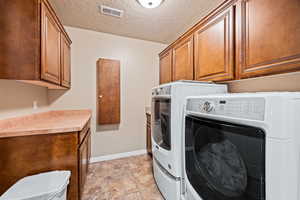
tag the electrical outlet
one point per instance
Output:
(35, 105)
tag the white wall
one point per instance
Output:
(17, 98)
(280, 82)
(139, 73)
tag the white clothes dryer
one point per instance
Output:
(167, 128)
(242, 146)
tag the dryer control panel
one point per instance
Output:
(162, 91)
(246, 108)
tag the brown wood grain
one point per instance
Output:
(29, 155)
(30, 42)
(44, 84)
(214, 48)
(183, 65)
(165, 68)
(213, 13)
(253, 38)
(89, 137)
(268, 37)
(108, 90)
(148, 132)
(20, 40)
(50, 47)
(56, 18)
(84, 132)
(83, 162)
(65, 62)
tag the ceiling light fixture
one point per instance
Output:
(150, 3)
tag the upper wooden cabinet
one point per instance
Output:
(183, 65)
(50, 47)
(65, 62)
(268, 37)
(32, 51)
(241, 39)
(206, 51)
(214, 50)
(165, 68)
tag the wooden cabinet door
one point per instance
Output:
(50, 46)
(65, 62)
(83, 162)
(148, 132)
(108, 90)
(183, 66)
(39, 153)
(268, 37)
(165, 67)
(214, 53)
(89, 137)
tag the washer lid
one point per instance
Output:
(40, 185)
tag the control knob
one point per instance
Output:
(208, 106)
(158, 91)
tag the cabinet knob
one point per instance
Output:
(100, 96)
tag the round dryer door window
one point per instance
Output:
(223, 167)
(225, 161)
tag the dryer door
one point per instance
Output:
(161, 122)
(225, 161)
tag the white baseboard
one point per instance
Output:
(118, 155)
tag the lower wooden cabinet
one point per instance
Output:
(148, 132)
(28, 155)
(84, 157)
(89, 147)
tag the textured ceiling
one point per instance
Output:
(163, 24)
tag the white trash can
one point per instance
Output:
(45, 186)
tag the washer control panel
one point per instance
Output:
(247, 108)
(162, 91)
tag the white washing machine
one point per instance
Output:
(167, 120)
(242, 146)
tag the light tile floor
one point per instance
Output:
(122, 179)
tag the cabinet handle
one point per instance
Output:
(100, 96)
